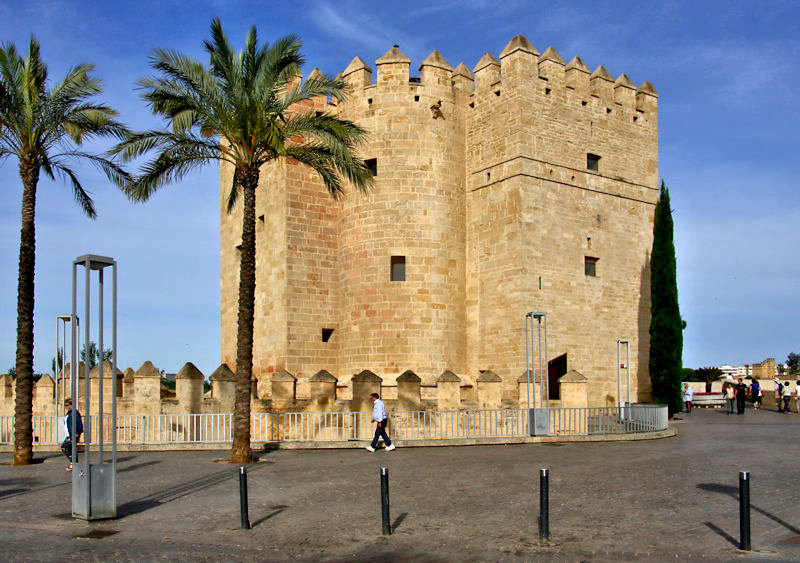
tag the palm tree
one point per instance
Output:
(43, 129)
(242, 109)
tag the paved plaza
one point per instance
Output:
(673, 498)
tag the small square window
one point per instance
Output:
(326, 334)
(372, 164)
(398, 268)
(593, 162)
(590, 266)
(416, 98)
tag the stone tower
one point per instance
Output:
(525, 184)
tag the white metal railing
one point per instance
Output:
(350, 426)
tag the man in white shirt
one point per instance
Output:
(380, 418)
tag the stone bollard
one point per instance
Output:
(44, 392)
(283, 390)
(127, 383)
(364, 384)
(147, 389)
(489, 390)
(572, 389)
(448, 389)
(522, 390)
(189, 389)
(408, 391)
(323, 391)
(223, 388)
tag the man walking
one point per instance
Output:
(66, 445)
(741, 394)
(379, 417)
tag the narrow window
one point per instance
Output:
(369, 100)
(590, 266)
(546, 91)
(261, 218)
(372, 164)
(326, 334)
(592, 162)
(416, 98)
(398, 264)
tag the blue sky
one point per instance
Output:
(728, 76)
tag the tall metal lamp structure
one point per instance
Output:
(94, 482)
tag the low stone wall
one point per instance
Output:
(143, 392)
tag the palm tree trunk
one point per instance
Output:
(241, 451)
(23, 408)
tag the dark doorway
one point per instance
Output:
(555, 369)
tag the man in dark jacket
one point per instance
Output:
(741, 395)
(66, 445)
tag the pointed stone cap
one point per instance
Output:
(393, 55)
(324, 376)
(366, 375)
(107, 368)
(524, 377)
(147, 369)
(448, 376)
(577, 64)
(573, 376)
(283, 375)
(551, 55)
(624, 82)
(647, 88)
(189, 371)
(486, 60)
(316, 74)
(67, 368)
(463, 70)
(436, 59)
(223, 373)
(45, 381)
(489, 375)
(601, 72)
(519, 43)
(355, 64)
(408, 376)
(128, 374)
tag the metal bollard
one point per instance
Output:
(243, 498)
(544, 504)
(387, 526)
(744, 510)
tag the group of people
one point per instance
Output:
(736, 394)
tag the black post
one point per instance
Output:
(744, 510)
(387, 526)
(544, 504)
(243, 498)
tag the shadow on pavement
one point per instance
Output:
(719, 531)
(176, 492)
(268, 516)
(399, 520)
(733, 492)
(136, 466)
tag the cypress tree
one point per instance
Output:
(666, 325)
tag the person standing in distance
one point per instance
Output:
(66, 445)
(380, 418)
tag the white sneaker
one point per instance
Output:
(370, 449)
(389, 448)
